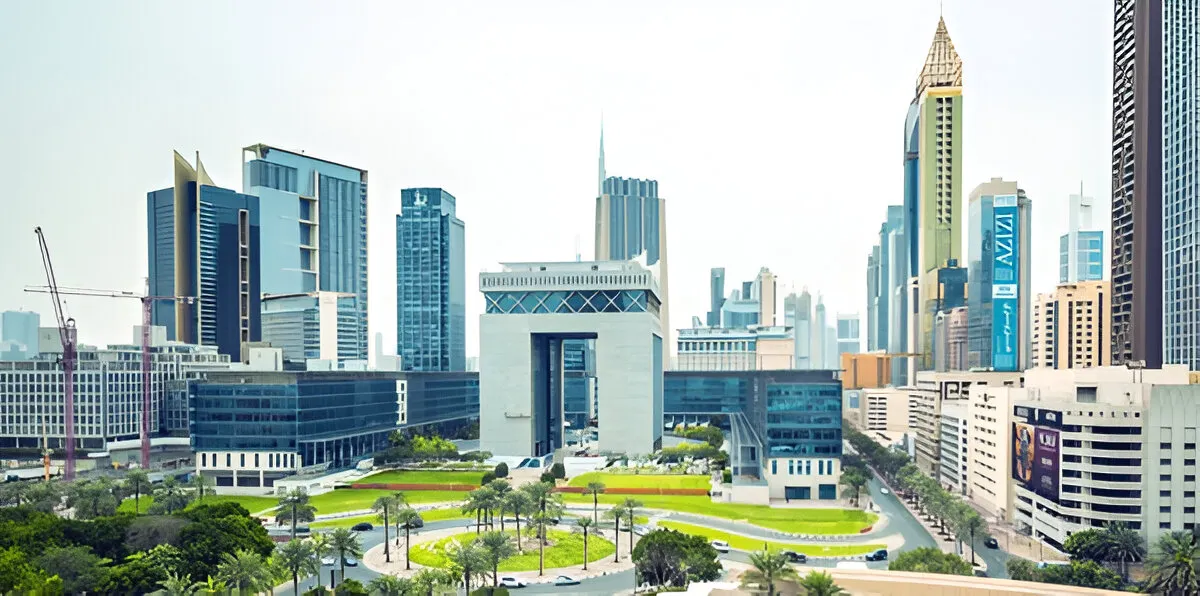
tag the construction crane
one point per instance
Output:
(147, 303)
(66, 332)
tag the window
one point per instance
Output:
(242, 460)
(256, 460)
(1164, 509)
(826, 492)
(203, 460)
(228, 460)
(774, 467)
(821, 467)
(791, 467)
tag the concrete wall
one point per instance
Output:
(781, 479)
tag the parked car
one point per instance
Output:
(884, 490)
(879, 555)
(991, 543)
(363, 527)
(328, 561)
(795, 557)
(720, 545)
(512, 582)
(417, 522)
(351, 562)
(565, 580)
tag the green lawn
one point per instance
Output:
(430, 515)
(424, 477)
(746, 543)
(339, 501)
(252, 504)
(566, 550)
(641, 480)
(798, 521)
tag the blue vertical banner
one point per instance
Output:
(1005, 257)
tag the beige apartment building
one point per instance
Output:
(989, 485)
(925, 401)
(880, 409)
(1071, 326)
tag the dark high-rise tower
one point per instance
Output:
(430, 282)
(1137, 249)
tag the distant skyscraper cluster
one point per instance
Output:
(284, 261)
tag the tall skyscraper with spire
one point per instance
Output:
(938, 200)
(631, 223)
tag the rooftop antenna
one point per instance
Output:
(577, 256)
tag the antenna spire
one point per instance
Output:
(600, 183)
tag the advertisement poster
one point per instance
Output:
(1005, 259)
(1023, 454)
(1046, 464)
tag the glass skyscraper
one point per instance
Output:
(998, 304)
(203, 242)
(20, 327)
(430, 282)
(314, 226)
(1088, 254)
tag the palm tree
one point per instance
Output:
(136, 481)
(502, 489)
(969, 526)
(519, 504)
(245, 571)
(584, 523)
(631, 508)
(200, 482)
(1120, 543)
(297, 557)
(212, 586)
(346, 544)
(294, 508)
(820, 583)
(466, 558)
(474, 504)
(405, 517)
(853, 482)
(384, 506)
(595, 489)
(390, 585)
(615, 514)
(540, 521)
(494, 547)
(169, 497)
(768, 568)
(176, 585)
(429, 579)
(489, 500)
(401, 501)
(320, 547)
(1172, 566)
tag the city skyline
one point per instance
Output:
(698, 165)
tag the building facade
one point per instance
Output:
(798, 308)
(848, 335)
(631, 223)
(203, 243)
(1071, 326)
(613, 303)
(764, 283)
(1081, 250)
(716, 283)
(21, 327)
(431, 282)
(727, 349)
(1137, 189)
(312, 326)
(314, 225)
(954, 432)
(926, 398)
(999, 305)
(251, 428)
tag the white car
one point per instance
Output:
(720, 546)
(884, 490)
(512, 582)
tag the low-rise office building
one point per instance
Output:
(750, 348)
(954, 427)
(251, 428)
(931, 390)
(882, 409)
(989, 465)
(785, 427)
(864, 371)
(1108, 444)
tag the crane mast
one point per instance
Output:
(67, 334)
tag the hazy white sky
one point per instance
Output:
(773, 128)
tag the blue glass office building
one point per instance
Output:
(1089, 256)
(314, 226)
(430, 282)
(252, 428)
(203, 242)
(298, 324)
(997, 306)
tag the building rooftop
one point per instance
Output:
(943, 67)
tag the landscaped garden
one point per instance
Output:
(343, 500)
(642, 480)
(429, 515)
(251, 503)
(565, 549)
(424, 477)
(747, 543)
(797, 521)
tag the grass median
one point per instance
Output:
(642, 480)
(353, 499)
(746, 543)
(424, 477)
(565, 550)
(251, 503)
(431, 515)
(817, 521)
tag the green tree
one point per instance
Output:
(853, 481)
(149, 531)
(429, 580)
(1123, 545)
(245, 571)
(44, 496)
(202, 484)
(768, 568)
(142, 572)
(92, 498)
(137, 482)
(1088, 574)
(1171, 566)
(385, 506)
(16, 570)
(540, 520)
(169, 497)
(584, 524)
(295, 508)
(930, 559)
(820, 583)
(296, 556)
(558, 471)
(405, 518)
(346, 544)
(1085, 544)
(216, 530)
(519, 504)
(77, 566)
(969, 527)
(671, 558)
(350, 587)
(13, 493)
(320, 547)
(494, 548)
(468, 562)
(501, 470)
(1021, 570)
(595, 489)
(390, 585)
(176, 585)
(501, 490)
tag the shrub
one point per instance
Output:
(487, 477)
(501, 470)
(727, 476)
(558, 471)
(547, 477)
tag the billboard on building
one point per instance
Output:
(1005, 257)
(1046, 464)
(1023, 454)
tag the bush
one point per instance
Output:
(727, 476)
(501, 470)
(558, 471)
(490, 591)
(487, 477)
(547, 477)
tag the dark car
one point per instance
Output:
(991, 543)
(362, 527)
(417, 522)
(879, 555)
(795, 557)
